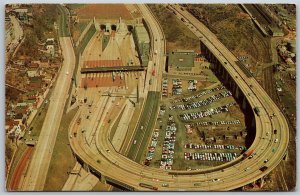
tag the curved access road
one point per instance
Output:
(116, 168)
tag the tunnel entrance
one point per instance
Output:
(114, 27)
(102, 27)
(130, 28)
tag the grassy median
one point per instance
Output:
(62, 159)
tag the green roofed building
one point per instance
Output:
(181, 59)
(142, 42)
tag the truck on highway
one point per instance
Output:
(257, 111)
(153, 72)
(248, 153)
(144, 185)
(182, 19)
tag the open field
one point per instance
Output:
(237, 32)
(78, 28)
(75, 6)
(62, 160)
(177, 35)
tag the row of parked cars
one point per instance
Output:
(165, 87)
(192, 85)
(177, 87)
(168, 145)
(231, 122)
(186, 99)
(218, 146)
(210, 156)
(151, 148)
(207, 112)
(207, 101)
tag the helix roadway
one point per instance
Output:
(116, 168)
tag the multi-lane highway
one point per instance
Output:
(158, 51)
(116, 168)
(38, 168)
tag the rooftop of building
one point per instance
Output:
(181, 58)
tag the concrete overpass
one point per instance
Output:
(113, 69)
(114, 168)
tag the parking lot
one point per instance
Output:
(189, 116)
(204, 113)
(231, 122)
(168, 145)
(210, 156)
(205, 102)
